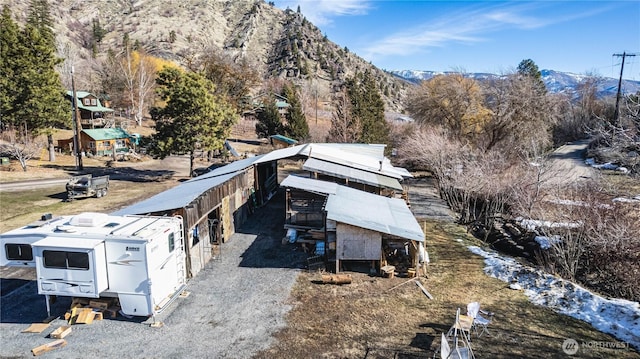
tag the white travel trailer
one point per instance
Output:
(138, 259)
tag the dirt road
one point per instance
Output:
(566, 165)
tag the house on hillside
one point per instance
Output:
(92, 113)
(104, 141)
(257, 104)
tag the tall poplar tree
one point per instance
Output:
(192, 119)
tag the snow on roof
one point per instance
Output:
(617, 317)
(353, 174)
(374, 212)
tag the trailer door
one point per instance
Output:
(166, 267)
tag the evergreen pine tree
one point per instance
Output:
(11, 57)
(43, 106)
(40, 18)
(368, 108)
(193, 117)
(529, 69)
(269, 122)
(297, 126)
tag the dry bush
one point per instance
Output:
(598, 240)
(475, 184)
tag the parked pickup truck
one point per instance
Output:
(87, 186)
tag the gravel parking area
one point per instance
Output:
(234, 306)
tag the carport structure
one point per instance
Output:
(357, 225)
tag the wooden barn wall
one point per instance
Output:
(355, 243)
(229, 196)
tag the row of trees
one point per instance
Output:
(358, 115)
(359, 112)
(487, 144)
(32, 98)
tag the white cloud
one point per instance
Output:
(470, 25)
(320, 12)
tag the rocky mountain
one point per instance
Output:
(278, 43)
(556, 81)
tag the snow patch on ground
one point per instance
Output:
(533, 224)
(618, 317)
(605, 166)
(546, 242)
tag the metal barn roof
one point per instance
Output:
(374, 212)
(362, 209)
(345, 157)
(185, 193)
(310, 185)
(353, 174)
(176, 197)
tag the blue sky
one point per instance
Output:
(483, 36)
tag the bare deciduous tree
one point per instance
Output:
(453, 102)
(345, 128)
(522, 116)
(21, 146)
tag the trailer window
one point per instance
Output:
(172, 242)
(18, 252)
(66, 260)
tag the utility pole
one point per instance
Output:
(77, 126)
(617, 111)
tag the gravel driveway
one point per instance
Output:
(234, 306)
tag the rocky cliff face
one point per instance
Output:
(275, 42)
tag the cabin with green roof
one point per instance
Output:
(104, 141)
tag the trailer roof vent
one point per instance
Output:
(89, 219)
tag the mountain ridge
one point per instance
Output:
(277, 43)
(555, 81)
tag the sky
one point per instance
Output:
(580, 37)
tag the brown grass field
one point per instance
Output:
(370, 319)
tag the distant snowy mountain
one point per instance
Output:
(556, 81)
